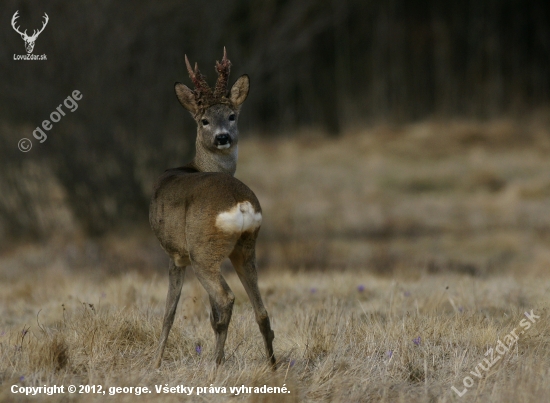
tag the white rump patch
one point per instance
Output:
(241, 218)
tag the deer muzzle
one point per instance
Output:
(222, 141)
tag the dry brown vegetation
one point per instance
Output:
(391, 260)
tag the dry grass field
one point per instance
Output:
(394, 262)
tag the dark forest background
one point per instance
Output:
(326, 64)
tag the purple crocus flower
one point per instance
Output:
(198, 349)
(416, 341)
(361, 288)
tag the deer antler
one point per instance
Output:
(15, 17)
(223, 70)
(203, 93)
(35, 33)
(202, 90)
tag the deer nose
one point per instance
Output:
(223, 139)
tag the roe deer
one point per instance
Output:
(201, 214)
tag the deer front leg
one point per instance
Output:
(221, 301)
(176, 276)
(219, 319)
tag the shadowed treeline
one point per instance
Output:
(324, 64)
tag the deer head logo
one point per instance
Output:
(29, 40)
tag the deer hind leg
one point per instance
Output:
(176, 276)
(221, 301)
(243, 259)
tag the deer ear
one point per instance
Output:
(239, 91)
(186, 97)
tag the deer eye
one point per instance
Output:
(232, 117)
(204, 122)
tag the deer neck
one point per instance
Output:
(215, 161)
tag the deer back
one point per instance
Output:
(187, 203)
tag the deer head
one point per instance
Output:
(29, 40)
(216, 111)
